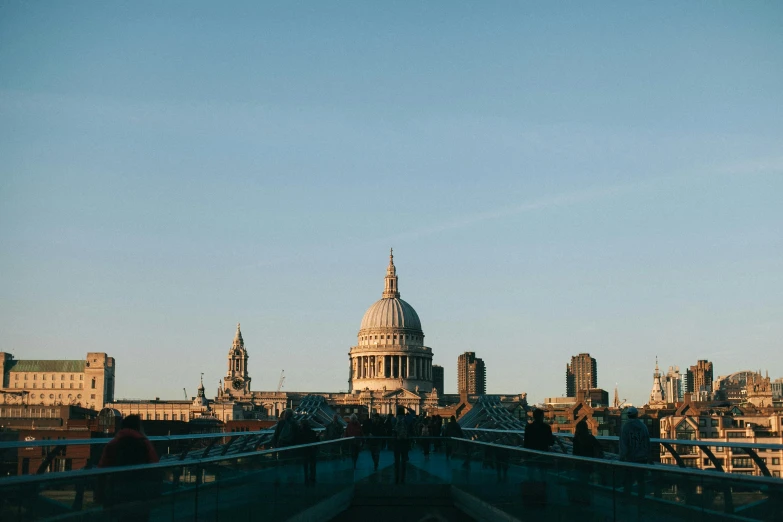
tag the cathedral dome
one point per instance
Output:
(391, 312)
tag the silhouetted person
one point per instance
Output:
(538, 434)
(377, 432)
(635, 448)
(307, 435)
(354, 429)
(400, 441)
(585, 444)
(127, 493)
(454, 430)
(286, 430)
(334, 431)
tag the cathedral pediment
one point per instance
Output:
(401, 393)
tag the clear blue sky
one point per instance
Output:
(554, 179)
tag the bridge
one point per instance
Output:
(236, 476)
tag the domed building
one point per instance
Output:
(390, 351)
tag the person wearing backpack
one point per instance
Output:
(400, 444)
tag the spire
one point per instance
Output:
(238, 341)
(391, 290)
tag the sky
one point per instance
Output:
(554, 179)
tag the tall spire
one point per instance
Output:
(391, 290)
(238, 341)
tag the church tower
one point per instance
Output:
(657, 397)
(236, 383)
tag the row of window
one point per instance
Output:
(43, 385)
(703, 422)
(166, 416)
(406, 337)
(43, 376)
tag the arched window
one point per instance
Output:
(93, 383)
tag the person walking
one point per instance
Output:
(334, 431)
(377, 434)
(125, 493)
(354, 429)
(400, 445)
(452, 431)
(425, 439)
(634, 448)
(538, 436)
(307, 435)
(286, 430)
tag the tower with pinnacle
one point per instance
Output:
(236, 382)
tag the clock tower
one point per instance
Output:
(236, 383)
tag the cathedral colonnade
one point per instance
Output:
(392, 366)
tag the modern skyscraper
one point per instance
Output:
(700, 379)
(581, 374)
(437, 378)
(471, 374)
(672, 385)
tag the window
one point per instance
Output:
(25, 376)
(35, 385)
(776, 460)
(70, 385)
(702, 423)
(165, 416)
(62, 385)
(149, 417)
(62, 376)
(35, 376)
(16, 376)
(81, 377)
(714, 423)
(43, 377)
(92, 396)
(93, 383)
(182, 416)
(742, 462)
(80, 386)
(157, 416)
(719, 449)
(71, 376)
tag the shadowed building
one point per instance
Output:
(437, 378)
(471, 374)
(581, 374)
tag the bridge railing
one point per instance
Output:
(267, 484)
(516, 480)
(713, 450)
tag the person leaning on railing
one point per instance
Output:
(635, 448)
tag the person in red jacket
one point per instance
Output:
(354, 429)
(125, 493)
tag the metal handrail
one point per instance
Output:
(687, 442)
(106, 440)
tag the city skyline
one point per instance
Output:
(554, 180)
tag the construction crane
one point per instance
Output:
(280, 382)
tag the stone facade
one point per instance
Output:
(88, 382)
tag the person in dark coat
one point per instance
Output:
(377, 434)
(452, 430)
(286, 430)
(307, 435)
(125, 492)
(354, 429)
(538, 434)
(585, 444)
